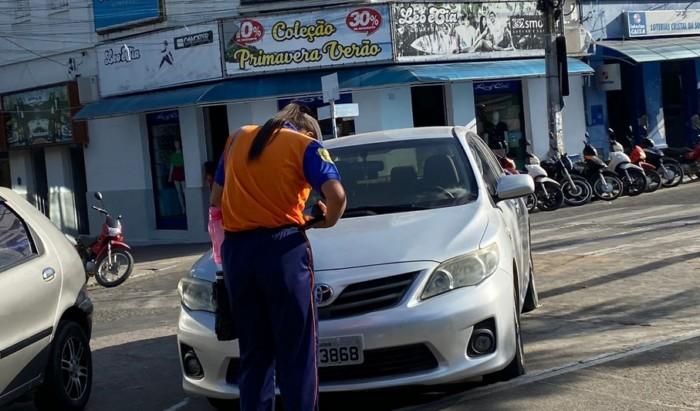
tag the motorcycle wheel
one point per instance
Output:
(638, 183)
(615, 188)
(531, 202)
(553, 200)
(113, 273)
(578, 194)
(653, 181)
(677, 172)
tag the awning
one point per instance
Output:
(143, 103)
(642, 51)
(308, 82)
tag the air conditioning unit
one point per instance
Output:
(88, 89)
(575, 40)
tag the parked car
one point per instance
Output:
(422, 282)
(45, 312)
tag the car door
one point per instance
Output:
(30, 286)
(514, 211)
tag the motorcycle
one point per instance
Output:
(632, 176)
(548, 195)
(688, 158)
(638, 157)
(106, 257)
(606, 185)
(577, 191)
(670, 170)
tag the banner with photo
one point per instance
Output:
(478, 30)
(41, 116)
(336, 37)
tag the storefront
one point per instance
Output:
(647, 73)
(45, 152)
(271, 60)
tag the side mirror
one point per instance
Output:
(514, 186)
(98, 196)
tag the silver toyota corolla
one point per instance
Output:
(422, 281)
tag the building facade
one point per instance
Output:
(646, 56)
(168, 97)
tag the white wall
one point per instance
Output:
(535, 102)
(574, 117)
(254, 112)
(383, 109)
(114, 159)
(460, 104)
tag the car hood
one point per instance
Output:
(426, 235)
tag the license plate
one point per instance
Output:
(339, 351)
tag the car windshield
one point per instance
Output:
(405, 175)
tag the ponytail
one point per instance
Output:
(293, 114)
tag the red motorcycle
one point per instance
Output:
(106, 257)
(638, 156)
(688, 158)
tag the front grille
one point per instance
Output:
(364, 297)
(383, 362)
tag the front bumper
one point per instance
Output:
(443, 324)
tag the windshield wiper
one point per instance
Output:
(374, 210)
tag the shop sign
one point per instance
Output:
(497, 87)
(477, 30)
(608, 77)
(41, 116)
(161, 59)
(662, 23)
(335, 37)
(114, 14)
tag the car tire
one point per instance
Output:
(224, 405)
(532, 299)
(68, 378)
(516, 367)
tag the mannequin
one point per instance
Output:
(177, 174)
(497, 131)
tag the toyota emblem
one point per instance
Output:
(323, 294)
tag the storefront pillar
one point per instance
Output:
(21, 172)
(574, 118)
(460, 105)
(653, 99)
(535, 112)
(383, 109)
(596, 112)
(194, 149)
(62, 204)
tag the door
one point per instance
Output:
(514, 213)
(673, 103)
(40, 197)
(30, 286)
(428, 104)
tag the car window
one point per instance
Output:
(487, 163)
(396, 176)
(15, 241)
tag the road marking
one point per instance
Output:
(179, 405)
(556, 371)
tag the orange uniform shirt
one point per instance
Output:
(271, 191)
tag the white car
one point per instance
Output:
(45, 312)
(421, 282)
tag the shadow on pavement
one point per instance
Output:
(145, 254)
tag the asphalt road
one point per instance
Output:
(618, 328)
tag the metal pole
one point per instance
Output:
(554, 98)
(335, 126)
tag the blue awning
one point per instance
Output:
(309, 82)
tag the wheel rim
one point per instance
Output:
(115, 269)
(578, 193)
(614, 188)
(74, 368)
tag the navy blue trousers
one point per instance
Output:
(270, 282)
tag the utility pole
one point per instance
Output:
(553, 47)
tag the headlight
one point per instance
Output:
(463, 271)
(196, 294)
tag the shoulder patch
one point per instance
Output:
(325, 155)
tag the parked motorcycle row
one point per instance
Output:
(643, 168)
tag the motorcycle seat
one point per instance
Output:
(87, 240)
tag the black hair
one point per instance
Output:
(294, 114)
